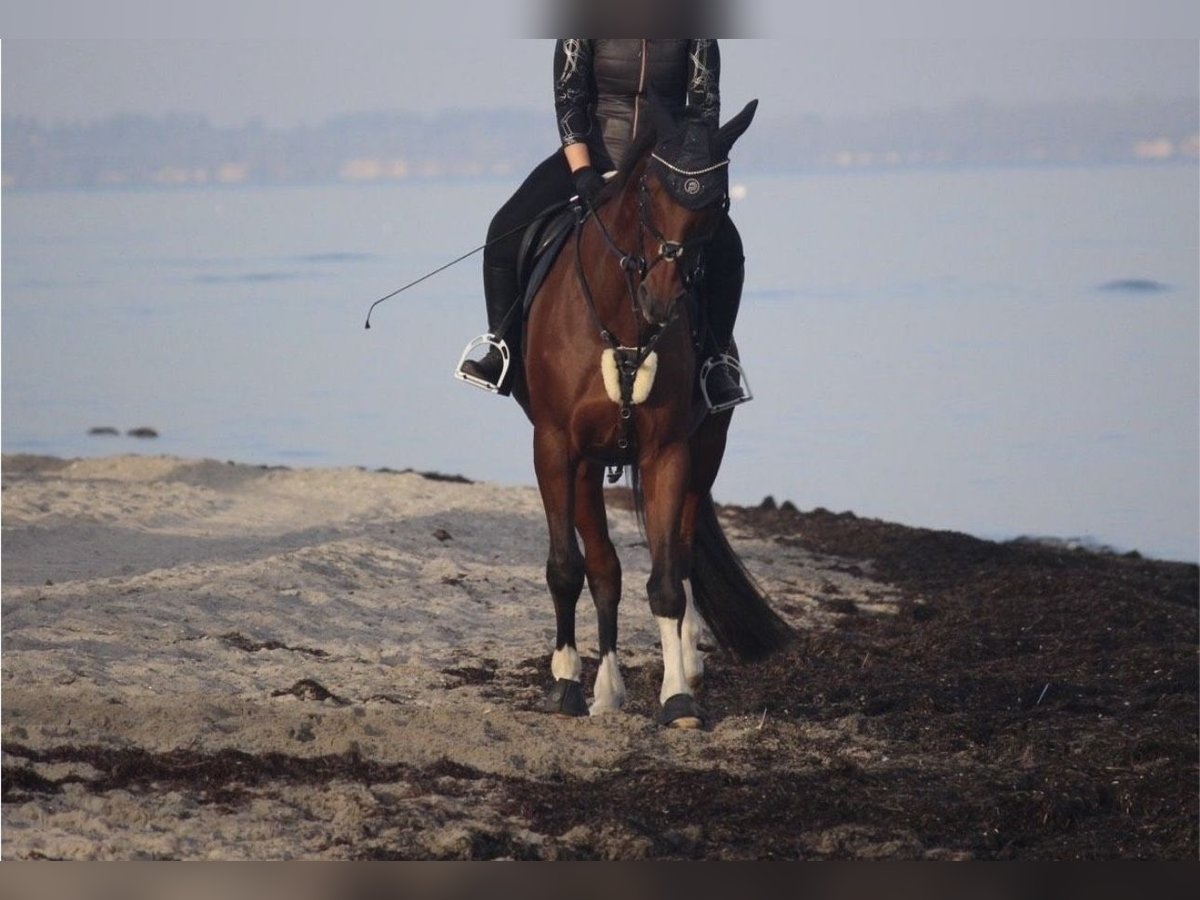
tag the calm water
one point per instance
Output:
(927, 347)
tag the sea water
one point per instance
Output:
(999, 351)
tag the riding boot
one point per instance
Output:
(721, 374)
(500, 293)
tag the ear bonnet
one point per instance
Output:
(689, 166)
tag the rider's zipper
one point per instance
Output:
(641, 86)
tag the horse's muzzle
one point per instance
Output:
(655, 308)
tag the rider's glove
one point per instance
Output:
(588, 184)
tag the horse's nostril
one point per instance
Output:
(649, 304)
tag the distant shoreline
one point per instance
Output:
(387, 147)
(742, 174)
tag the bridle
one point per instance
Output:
(634, 266)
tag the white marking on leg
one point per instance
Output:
(565, 664)
(674, 681)
(693, 627)
(610, 687)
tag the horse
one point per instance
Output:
(618, 308)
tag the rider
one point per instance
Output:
(600, 93)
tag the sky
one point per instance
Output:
(289, 82)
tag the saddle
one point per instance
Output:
(541, 243)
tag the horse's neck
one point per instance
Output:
(608, 282)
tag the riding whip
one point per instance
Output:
(553, 208)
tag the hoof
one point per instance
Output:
(565, 698)
(681, 711)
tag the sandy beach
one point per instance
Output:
(208, 660)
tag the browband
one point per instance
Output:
(679, 171)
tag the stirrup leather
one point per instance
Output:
(737, 373)
(484, 340)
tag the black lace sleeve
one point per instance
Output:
(574, 88)
(704, 78)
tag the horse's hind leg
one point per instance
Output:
(604, 580)
(689, 637)
(564, 568)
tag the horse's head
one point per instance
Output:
(683, 194)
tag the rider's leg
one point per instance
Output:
(722, 288)
(547, 184)
(499, 293)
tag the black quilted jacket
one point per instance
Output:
(601, 87)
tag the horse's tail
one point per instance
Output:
(726, 595)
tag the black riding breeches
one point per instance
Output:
(546, 185)
(723, 258)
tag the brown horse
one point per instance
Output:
(626, 281)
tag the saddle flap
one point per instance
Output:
(540, 246)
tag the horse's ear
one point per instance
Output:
(733, 129)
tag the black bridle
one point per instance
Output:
(634, 266)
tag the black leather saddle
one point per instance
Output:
(540, 246)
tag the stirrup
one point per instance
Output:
(724, 360)
(484, 340)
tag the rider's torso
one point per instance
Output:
(625, 72)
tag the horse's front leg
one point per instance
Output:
(664, 482)
(564, 567)
(604, 579)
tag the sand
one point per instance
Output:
(204, 660)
